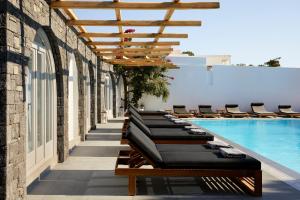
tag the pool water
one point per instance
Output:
(276, 139)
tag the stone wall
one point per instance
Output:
(24, 18)
(3, 108)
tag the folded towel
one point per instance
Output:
(196, 131)
(190, 127)
(232, 153)
(218, 144)
(169, 116)
(179, 122)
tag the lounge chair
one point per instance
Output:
(286, 111)
(181, 112)
(148, 112)
(157, 122)
(260, 111)
(233, 110)
(206, 111)
(133, 110)
(149, 159)
(168, 135)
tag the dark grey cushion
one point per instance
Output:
(144, 144)
(135, 113)
(153, 117)
(163, 124)
(183, 148)
(177, 134)
(206, 160)
(140, 125)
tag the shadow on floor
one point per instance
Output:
(106, 130)
(97, 151)
(103, 137)
(105, 183)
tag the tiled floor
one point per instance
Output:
(88, 174)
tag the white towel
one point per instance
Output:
(232, 153)
(218, 144)
(197, 131)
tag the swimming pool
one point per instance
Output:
(276, 139)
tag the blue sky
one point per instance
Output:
(252, 31)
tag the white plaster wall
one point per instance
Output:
(194, 85)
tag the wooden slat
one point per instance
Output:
(134, 35)
(131, 23)
(134, 54)
(133, 43)
(133, 5)
(72, 16)
(132, 50)
(166, 18)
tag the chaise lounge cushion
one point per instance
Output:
(182, 148)
(186, 159)
(206, 160)
(145, 145)
(177, 133)
(168, 133)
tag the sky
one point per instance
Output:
(251, 31)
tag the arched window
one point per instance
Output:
(41, 112)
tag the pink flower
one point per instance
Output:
(130, 30)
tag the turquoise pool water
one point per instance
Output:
(278, 139)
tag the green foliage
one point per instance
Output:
(190, 53)
(273, 62)
(147, 80)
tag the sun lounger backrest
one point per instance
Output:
(140, 124)
(132, 111)
(205, 109)
(285, 108)
(144, 144)
(232, 108)
(179, 109)
(258, 107)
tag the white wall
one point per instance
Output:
(194, 85)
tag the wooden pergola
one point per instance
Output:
(131, 53)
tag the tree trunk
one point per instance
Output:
(126, 100)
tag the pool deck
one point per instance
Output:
(88, 174)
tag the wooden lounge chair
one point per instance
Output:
(181, 112)
(286, 111)
(233, 110)
(158, 122)
(149, 159)
(146, 112)
(167, 135)
(260, 111)
(206, 111)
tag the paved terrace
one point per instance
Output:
(88, 174)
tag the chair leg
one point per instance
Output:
(131, 185)
(258, 183)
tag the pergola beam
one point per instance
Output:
(131, 23)
(134, 54)
(134, 35)
(133, 43)
(132, 50)
(133, 5)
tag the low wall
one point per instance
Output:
(194, 84)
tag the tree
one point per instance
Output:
(189, 53)
(273, 62)
(138, 81)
